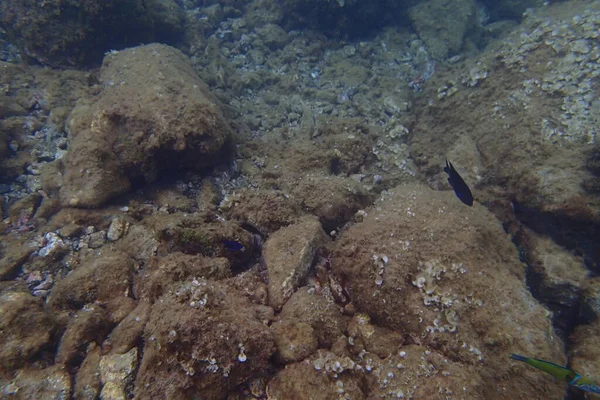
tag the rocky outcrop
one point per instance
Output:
(448, 277)
(72, 33)
(154, 115)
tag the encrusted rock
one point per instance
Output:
(118, 227)
(153, 114)
(116, 374)
(364, 335)
(589, 310)
(162, 272)
(288, 255)
(317, 310)
(443, 25)
(14, 259)
(105, 278)
(52, 383)
(88, 325)
(201, 340)
(302, 381)
(129, 332)
(453, 282)
(556, 278)
(87, 380)
(25, 328)
(140, 243)
(74, 34)
(295, 341)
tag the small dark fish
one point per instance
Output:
(458, 184)
(232, 245)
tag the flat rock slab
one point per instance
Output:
(288, 255)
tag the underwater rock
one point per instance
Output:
(447, 277)
(88, 325)
(294, 340)
(140, 243)
(12, 260)
(584, 350)
(261, 12)
(267, 210)
(117, 373)
(443, 25)
(3, 146)
(317, 310)
(25, 328)
(9, 108)
(510, 9)
(344, 18)
(532, 155)
(372, 338)
(273, 36)
(201, 340)
(129, 332)
(87, 379)
(52, 383)
(163, 272)
(556, 278)
(106, 279)
(288, 255)
(23, 209)
(153, 116)
(589, 309)
(334, 199)
(75, 34)
(301, 381)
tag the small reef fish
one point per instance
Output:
(461, 189)
(562, 373)
(232, 245)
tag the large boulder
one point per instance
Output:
(201, 340)
(535, 152)
(449, 278)
(78, 33)
(154, 115)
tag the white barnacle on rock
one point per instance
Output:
(319, 363)
(476, 74)
(476, 352)
(419, 282)
(212, 365)
(337, 367)
(379, 263)
(242, 356)
(360, 215)
(452, 320)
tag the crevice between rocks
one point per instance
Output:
(578, 235)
